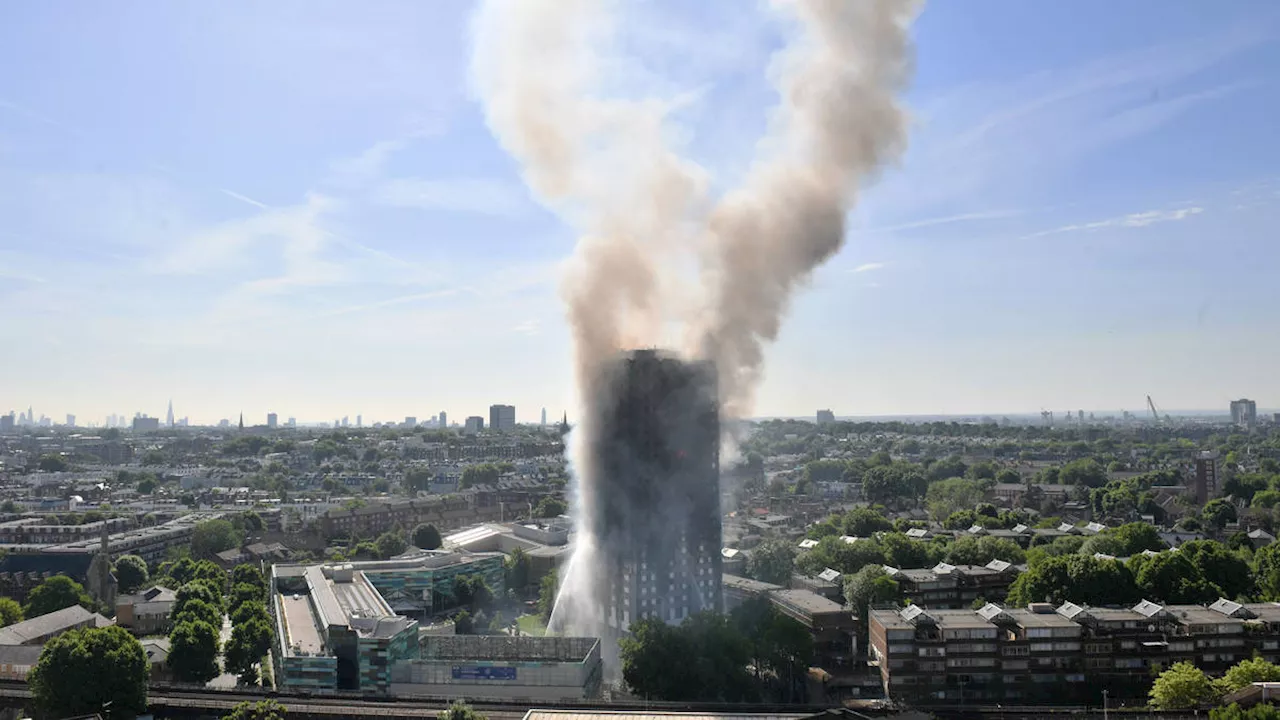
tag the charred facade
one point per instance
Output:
(657, 491)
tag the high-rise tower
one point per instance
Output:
(655, 498)
(168, 418)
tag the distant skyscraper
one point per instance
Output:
(271, 421)
(544, 418)
(1244, 412)
(242, 420)
(410, 421)
(359, 421)
(6, 421)
(168, 418)
(1206, 476)
(502, 418)
(475, 424)
(293, 422)
(444, 419)
(143, 423)
(826, 417)
(71, 420)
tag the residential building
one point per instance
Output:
(410, 421)
(7, 422)
(474, 425)
(143, 423)
(39, 630)
(1206, 475)
(16, 661)
(1244, 412)
(502, 418)
(956, 586)
(826, 417)
(444, 419)
(147, 612)
(658, 454)
(1065, 654)
(446, 513)
(272, 421)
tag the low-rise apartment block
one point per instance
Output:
(1070, 653)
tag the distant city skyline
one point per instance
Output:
(241, 206)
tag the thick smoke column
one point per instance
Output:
(604, 166)
(838, 123)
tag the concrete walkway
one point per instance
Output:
(225, 680)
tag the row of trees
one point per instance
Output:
(752, 654)
(1184, 686)
(251, 629)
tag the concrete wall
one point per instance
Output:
(536, 681)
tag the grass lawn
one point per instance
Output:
(531, 625)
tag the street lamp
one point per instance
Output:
(1104, 705)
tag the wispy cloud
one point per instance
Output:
(869, 267)
(417, 297)
(470, 195)
(1132, 220)
(529, 328)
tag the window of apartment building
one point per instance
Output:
(932, 652)
(1128, 663)
(1039, 632)
(1066, 646)
(1128, 644)
(1014, 665)
(899, 648)
(1183, 646)
(1042, 647)
(1097, 648)
(931, 666)
(1016, 650)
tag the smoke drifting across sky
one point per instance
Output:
(657, 256)
(659, 261)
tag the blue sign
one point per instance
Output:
(478, 672)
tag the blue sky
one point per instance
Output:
(298, 207)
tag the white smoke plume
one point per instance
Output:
(643, 212)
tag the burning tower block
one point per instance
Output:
(654, 507)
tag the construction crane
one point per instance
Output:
(1155, 414)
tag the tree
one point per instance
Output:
(1247, 672)
(702, 659)
(1085, 471)
(772, 561)
(92, 670)
(1217, 513)
(211, 537)
(1105, 543)
(901, 551)
(463, 624)
(949, 467)
(10, 612)
(54, 594)
(947, 496)
(246, 612)
(459, 710)
(779, 646)
(1136, 537)
(427, 537)
(391, 544)
(869, 586)
(1172, 578)
(249, 641)
(865, 522)
(1182, 687)
(249, 574)
(547, 589)
(1081, 579)
(516, 568)
(1264, 711)
(1220, 566)
(197, 590)
(1266, 563)
(549, 507)
(261, 710)
(131, 573)
(482, 474)
(193, 653)
(197, 610)
(52, 463)
(969, 550)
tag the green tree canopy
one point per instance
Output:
(211, 537)
(92, 670)
(1249, 671)
(865, 522)
(197, 610)
(193, 652)
(10, 612)
(516, 568)
(547, 589)
(249, 574)
(427, 537)
(703, 659)
(1182, 687)
(197, 590)
(869, 586)
(970, 550)
(52, 463)
(772, 561)
(54, 594)
(845, 557)
(1171, 577)
(261, 710)
(947, 496)
(1263, 711)
(1085, 471)
(549, 507)
(131, 573)
(1220, 566)
(391, 544)
(1136, 537)
(1081, 579)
